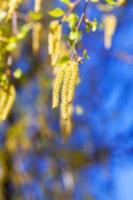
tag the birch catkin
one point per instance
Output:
(73, 80)
(3, 97)
(37, 6)
(54, 41)
(110, 22)
(37, 29)
(66, 124)
(57, 86)
(7, 99)
(64, 92)
(66, 75)
(36, 37)
(9, 102)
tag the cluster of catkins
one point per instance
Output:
(66, 74)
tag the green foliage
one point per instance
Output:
(57, 12)
(65, 1)
(111, 2)
(85, 54)
(15, 26)
(35, 15)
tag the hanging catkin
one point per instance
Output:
(66, 76)
(7, 100)
(3, 97)
(64, 92)
(37, 29)
(54, 41)
(66, 124)
(36, 36)
(73, 80)
(57, 86)
(37, 5)
(110, 22)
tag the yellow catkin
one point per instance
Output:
(13, 4)
(66, 77)
(73, 81)
(55, 34)
(37, 6)
(37, 29)
(54, 41)
(36, 36)
(64, 92)
(110, 22)
(3, 98)
(9, 102)
(50, 43)
(57, 86)
(66, 124)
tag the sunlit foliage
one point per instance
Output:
(63, 50)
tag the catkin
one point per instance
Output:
(37, 29)
(66, 124)
(3, 97)
(54, 41)
(8, 101)
(64, 92)
(110, 22)
(66, 76)
(57, 86)
(73, 81)
(36, 36)
(37, 6)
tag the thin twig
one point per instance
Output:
(79, 25)
(71, 8)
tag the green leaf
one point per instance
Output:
(57, 12)
(72, 20)
(63, 60)
(75, 35)
(23, 31)
(88, 27)
(94, 1)
(11, 46)
(91, 25)
(111, 2)
(65, 1)
(17, 73)
(94, 25)
(35, 15)
(85, 54)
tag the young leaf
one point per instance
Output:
(74, 35)
(72, 19)
(63, 60)
(17, 73)
(57, 12)
(65, 1)
(85, 54)
(111, 2)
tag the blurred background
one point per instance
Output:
(96, 162)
